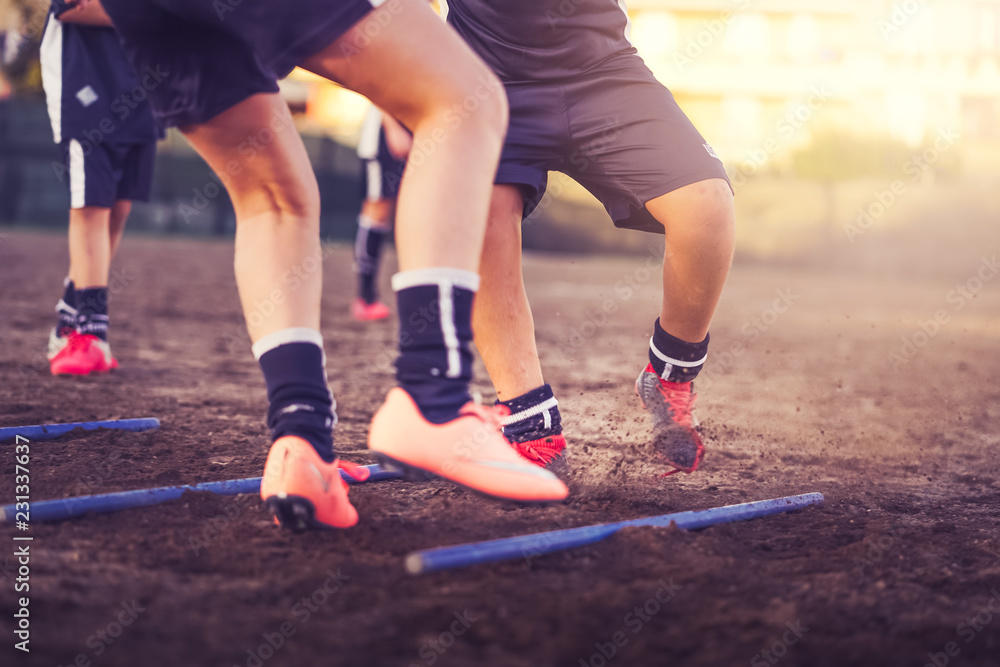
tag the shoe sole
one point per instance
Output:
(663, 436)
(294, 513)
(412, 473)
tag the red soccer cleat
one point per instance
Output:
(367, 312)
(304, 491)
(470, 450)
(82, 354)
(671, 405)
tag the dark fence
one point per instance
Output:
(187, 197)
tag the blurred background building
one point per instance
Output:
(817, 108)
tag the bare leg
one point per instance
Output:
(457, 110)
(502, 321)
(700, 230)
(89, 246)
(119, 215)
(276, 200)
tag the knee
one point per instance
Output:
(285, 199)
(473, 102)
(713, 204)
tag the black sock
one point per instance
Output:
(435, 330)
(66, 310)
(367, 250)
(92, 311)
(676, 360)
(300, 402)
(533, 416)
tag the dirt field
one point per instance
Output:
(901, 567)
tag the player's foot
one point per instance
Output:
(469, 450)
(671, 405)
(366, 312)
(548, 452)
(303, 491)
(80, 354)
(58, 338)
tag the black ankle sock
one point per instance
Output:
(66, 310)
(676, 360)
(367, 250)
(300, 402)
(435, 330)
(92, 311)
(533, 415)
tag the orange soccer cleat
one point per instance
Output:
(470, 450)
(304, 491)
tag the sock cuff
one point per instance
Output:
(436, 276)
(677, 352)
(534, 402)
(284, 337)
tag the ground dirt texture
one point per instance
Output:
(900, 565)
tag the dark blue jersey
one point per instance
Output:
(92, 93)
(542, 40)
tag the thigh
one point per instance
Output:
(136, 183)
(403, 57)
(257, 153)
(632, 143)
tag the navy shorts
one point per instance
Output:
(101, 174)
(210, 56)
(380, 177)
(617, 131)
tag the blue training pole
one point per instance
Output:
(51, 431)
(67, 508)
(537, 544)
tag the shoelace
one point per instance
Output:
(680, 400)
(492, 416)
(77, 342)
(543, 450)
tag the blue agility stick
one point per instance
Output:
(538, 544)
(51, 431)
(67, 508)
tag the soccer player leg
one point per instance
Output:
(374, 226)
(505, 338)
(81, 348)
(279, 275)
(699, 224)
(419, 71)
